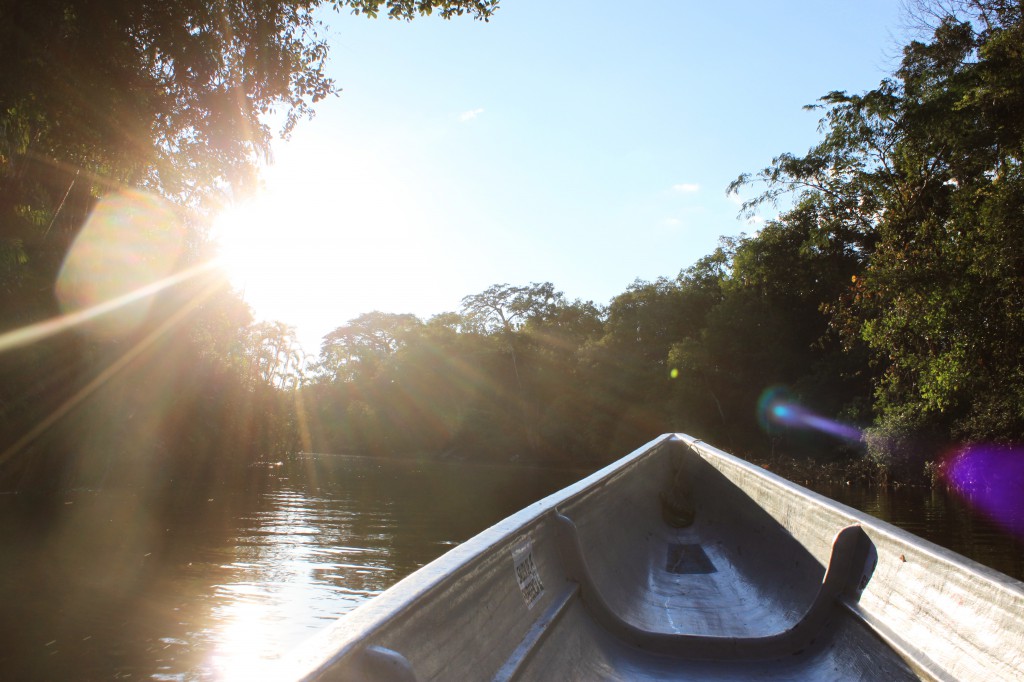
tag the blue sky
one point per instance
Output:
(584, 143)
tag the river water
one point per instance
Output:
(115, 585)
(112, 585)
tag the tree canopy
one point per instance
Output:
(886, 297)
(171, 96)
(169, 104)
(920, 180)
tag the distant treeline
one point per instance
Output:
(888, 295)
(521, 372)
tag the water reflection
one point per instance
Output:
(121, 584)
(937, 516)
(299, 563)
(339, 531)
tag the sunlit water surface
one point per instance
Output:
(107, 586)
(113, 585)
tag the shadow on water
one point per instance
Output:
(109, 584)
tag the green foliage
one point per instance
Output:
(170, 95)
(363, 348)
(273, 355)
(502, 307)
(920, 181)
(889, 289)
(173, 101)
(408, 9)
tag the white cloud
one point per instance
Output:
(670, 227)
(471, 114)
(686, 187)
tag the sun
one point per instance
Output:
(262, 253)
(247, 241)
(336, 232)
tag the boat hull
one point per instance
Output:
(680, 561)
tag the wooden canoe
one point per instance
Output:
(683, 562)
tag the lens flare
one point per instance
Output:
(990, 478)
(776, 409)
(130, 241)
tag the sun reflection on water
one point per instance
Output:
(295, 562)
(114, 586)
(248, 638)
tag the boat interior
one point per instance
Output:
(678, 562)
(682, 575)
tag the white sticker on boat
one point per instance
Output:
(526, 572)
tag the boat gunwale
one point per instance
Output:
(892, 532)
(1004, 586)
(352, 631)
(349, 632)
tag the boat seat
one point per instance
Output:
(852, 561)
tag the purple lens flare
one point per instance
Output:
(990, 478)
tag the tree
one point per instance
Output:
(408, 9)
(767, 327)
(363, 348)
(922, 179)
(172, 96)
(503, 307)
(274, 355)
(625, 371)
(169, 100)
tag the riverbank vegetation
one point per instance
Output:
(885, 299)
